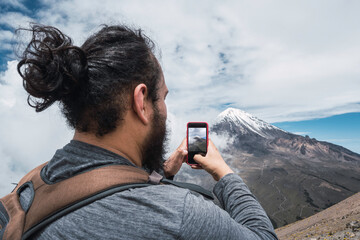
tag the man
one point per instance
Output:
(112, 92)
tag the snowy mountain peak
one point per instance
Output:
(246, 122)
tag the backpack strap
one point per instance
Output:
(156, 178)
(190, 186)
(65, 193)
(52, 201)
(13, 227)
(79, 204)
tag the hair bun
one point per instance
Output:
(51, 67)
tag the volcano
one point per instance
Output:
(292, 176)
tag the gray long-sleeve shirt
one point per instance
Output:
(154, 212)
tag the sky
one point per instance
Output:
(197, 132)
(295, 64)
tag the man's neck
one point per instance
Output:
(118, 143)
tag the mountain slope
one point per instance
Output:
(331, 223)
(292, 176)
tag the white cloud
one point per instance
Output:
(13, 3)
(5, 40)
(8, 175)
(5, 35)
(285, 60)
(27, 138)
(15, 19)
(302, 133)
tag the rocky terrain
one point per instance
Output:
(197, 145)
(292, 176)
(341, 221)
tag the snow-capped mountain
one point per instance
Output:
(237, 121)
(292, 176)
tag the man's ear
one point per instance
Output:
(140, 106)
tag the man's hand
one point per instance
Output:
(213, 163)
(173, 164)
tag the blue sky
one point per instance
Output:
(27, 8)
(292, 63)
(343, 129)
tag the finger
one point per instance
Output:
(182, 147)
(211, 143)
(198, 158)
(196, 167)
(212, 147)
(184, 155)
(183, 144)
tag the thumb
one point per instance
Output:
(184, 152)
(199, 158)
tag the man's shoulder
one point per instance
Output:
(172, 198)
(168, 197)
(154, 192)
(135, 210)
(157, 201)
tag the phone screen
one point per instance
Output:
(197, 140)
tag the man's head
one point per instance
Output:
(112, 80)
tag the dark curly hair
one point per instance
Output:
(93, 83)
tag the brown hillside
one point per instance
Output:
(340, 221)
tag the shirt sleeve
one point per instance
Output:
(242, 217)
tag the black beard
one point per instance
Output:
(153, 146)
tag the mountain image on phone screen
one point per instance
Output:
(197, 140)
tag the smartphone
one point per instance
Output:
(197, 140)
